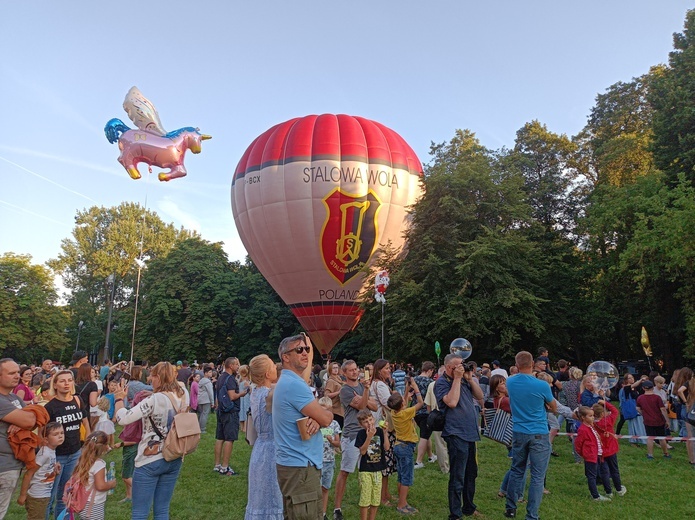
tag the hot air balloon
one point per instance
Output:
(313, 199)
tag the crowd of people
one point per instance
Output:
(57, 423)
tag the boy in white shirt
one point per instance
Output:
(38, 482)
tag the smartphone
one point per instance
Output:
(366, 373)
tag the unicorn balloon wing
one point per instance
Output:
(142, 112)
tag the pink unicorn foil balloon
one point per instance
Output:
(150, 143)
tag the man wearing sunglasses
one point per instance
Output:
(299, 462)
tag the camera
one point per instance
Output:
(120, 374)
(469, 367)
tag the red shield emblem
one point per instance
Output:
(349, 233)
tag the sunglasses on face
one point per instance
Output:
(299, 350)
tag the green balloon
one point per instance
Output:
(437, 348)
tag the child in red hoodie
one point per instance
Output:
(605, 415)
(589, 447)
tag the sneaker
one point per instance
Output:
(433, 458)
(217, 468)
(229, 472)
(609, 495)
(601, 498)
(418, 465)
(510, 513)
(337, 514)
(622, 491)
(554, 454)
(650, 457)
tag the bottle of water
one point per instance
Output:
(111, 475)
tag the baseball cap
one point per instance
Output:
(647, 384)
(79, 354)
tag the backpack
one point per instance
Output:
(183, 436)
(76, 496)
(224, 403)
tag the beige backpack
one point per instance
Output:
(183, 436)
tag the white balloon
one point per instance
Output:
(605, 374)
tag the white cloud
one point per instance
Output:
(171, 209)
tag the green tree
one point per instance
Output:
(105, 242)
(673, 99)
(198, 305)
(614, 144)
(31, 324)
(463, 229)
(544, 159)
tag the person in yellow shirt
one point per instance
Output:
(406, 441)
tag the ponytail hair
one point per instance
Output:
(95, 445)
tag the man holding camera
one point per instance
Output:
(455, 392)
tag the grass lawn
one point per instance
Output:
(656, 489)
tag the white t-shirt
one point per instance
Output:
(99, 496)
(380, 392)
(41, 483)
(158, 406)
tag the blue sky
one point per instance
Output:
(236, 68)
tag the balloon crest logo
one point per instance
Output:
(348, 237)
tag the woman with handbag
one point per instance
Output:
(264, 496)
(380, 391)
(154, 477)
(628, 408)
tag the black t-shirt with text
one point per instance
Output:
(374, 459)
(68, 414)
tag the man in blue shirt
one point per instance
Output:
(398, 377)
(298, 461)
(455, 392)
(530, 400)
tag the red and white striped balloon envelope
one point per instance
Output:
(313, 199)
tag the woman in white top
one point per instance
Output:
(154, 478)
(380, 391)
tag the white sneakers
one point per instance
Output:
(602, 498)
(418, 465)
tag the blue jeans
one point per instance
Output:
(403, 451)
(505, 480)
(154, 482)
(462, 474)
(534, 449)
(67, 465)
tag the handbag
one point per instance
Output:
(629, 407)
(251, 433)
(499, 428)
(690, 416)
(436, 420)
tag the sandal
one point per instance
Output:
(501, 494)
(386, 503)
